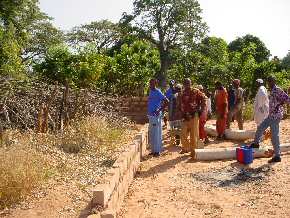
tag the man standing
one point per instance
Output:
(175, 119)
(231, 97)
(261, 104)
(237, 111)
(192, 105)
(276, 100)
(221, 99)
(156, 103)
(169, 95)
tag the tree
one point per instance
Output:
(130, 70)
(28, 32)
(82, 69)
(22, 14)
(286, 62)
(214, 48)
(57, 64)
(10, 61)
(168, 24)
(205, 64)
(102, 34)
(42, 36)
(186, 65)
(260, 53)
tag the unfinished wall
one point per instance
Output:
(135, 108)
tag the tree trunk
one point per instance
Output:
(165, 62)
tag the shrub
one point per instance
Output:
(91, 133)
(20, 172)
(248, 111)
(28, 159)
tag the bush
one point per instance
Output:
(91, 133)
(20, 172)
(249, 111)
(28, 159)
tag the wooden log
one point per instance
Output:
(230, 153)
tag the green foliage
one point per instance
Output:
(129, 70)
(82, 69)
(102, 34)
(161, 38)
(57, 64)
(248, 112)
(204, 65)
(10, 61)
(25, 32)
(88, 67)
(260, 51)
(215, 64)
(286, 62)
(42, 36)
(283, 79)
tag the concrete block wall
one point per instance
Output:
(112, 192)
(134, 108)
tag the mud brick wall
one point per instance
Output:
(135, 108)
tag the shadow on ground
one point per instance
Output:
(233, 175)
(163, 166)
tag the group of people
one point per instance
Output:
(190, 107)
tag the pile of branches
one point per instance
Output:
(44, 106)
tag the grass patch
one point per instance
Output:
(28, 159)
(91, 133)
(20, 172)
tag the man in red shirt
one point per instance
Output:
(193, 104)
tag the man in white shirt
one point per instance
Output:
(261, 104)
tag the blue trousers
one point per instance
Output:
(155, 133)
(274, 126)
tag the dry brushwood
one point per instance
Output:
(42, 106)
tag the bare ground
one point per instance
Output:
(174, 185)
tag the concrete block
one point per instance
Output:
(121, 163)
(120, 176)
(101, 195)
(138, 137)
(112, 204)
(108, 214)
(113, 176)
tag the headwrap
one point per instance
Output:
(172, 82)
(237, 82)
(200, 87)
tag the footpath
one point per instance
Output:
(173, 185)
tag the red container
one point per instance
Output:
(244, 155)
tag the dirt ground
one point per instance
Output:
(173, 185)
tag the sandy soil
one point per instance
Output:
(68, 193)
(174, 185)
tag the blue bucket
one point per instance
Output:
(244, 155)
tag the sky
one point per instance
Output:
(267, 19)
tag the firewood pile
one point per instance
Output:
(51, 107)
